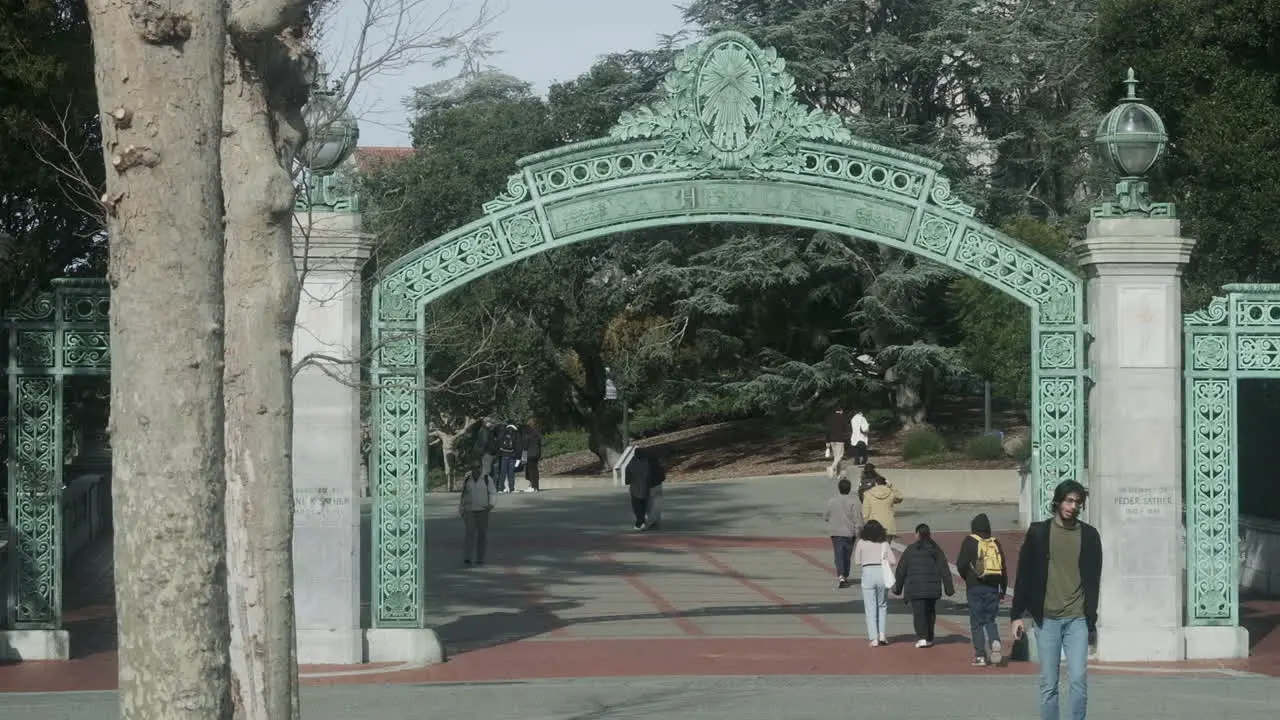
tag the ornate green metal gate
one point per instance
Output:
(729, 143)
(1237, 337)
(56, 335)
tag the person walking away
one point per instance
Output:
(874, 556)
(532, 443)
(921, 579)
(982, 566)
(508, 453)
(474, 505)
(879, 504)
(859, 440)
(837, 436)
(1059, 573)
(843, 516)
(485, 448)
(867, 481)
(644, 478)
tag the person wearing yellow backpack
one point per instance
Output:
(982, 566)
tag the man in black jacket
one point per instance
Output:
(644, 478)
(532, 442)
(1059, 573)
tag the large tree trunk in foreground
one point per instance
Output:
(263, 122)
(159, 72)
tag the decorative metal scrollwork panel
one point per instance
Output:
(1235, 338)
(95, 309)
(85, 349)
(35, 349)
(1258, 352)
(35, 491)
(1210, 352)
(937, 235)
(1058, 350)
(1021, 273)
(399, 494)
(1212, 523)
(1059, 434)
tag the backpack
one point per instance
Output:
(507, 439)
(989, 563)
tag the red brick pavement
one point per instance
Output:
(556, 654)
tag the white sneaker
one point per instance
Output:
(997, 654)
(923, 643)
(883, 640)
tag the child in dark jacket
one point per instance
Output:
(921, 578)
(982, 565)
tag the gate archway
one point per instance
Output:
(729, 143)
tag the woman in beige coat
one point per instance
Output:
(878, 503)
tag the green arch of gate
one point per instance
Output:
(728, 143)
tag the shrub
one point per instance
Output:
(921, 442)
(984, 447)
(882, 420)
(563, 442)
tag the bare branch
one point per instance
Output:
(73, 180)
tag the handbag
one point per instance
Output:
(886, 566)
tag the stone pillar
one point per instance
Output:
(1134, 268)
(326, 438)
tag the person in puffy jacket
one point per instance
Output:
(922, 576)
(879, 504)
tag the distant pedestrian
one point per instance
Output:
(508, 444)
(867, 480)
(875, 558)
(859, 440)
(837, 436)
(644, 477)
(1057, 583)
(880, 503)
(843, 516)
(485, 448)
(474, 505)
(921, 579)
(532, 442)
(981, 564)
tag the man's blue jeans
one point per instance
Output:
(1053, 637)
(507, 473)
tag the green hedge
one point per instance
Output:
(922, 442)
(984, 447)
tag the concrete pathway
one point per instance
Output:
(738, 582)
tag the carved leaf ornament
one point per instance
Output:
(730, 106)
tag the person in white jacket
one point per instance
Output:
(858, 440)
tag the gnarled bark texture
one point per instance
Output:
(265, 91)
(159, 72)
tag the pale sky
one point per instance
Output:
(540, 41)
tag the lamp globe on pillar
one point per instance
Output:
(1133, 138)
(332, 134)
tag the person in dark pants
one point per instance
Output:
(982, 566)
(532, 441)
(508, 443)
(843, 517)
(485, 449)
(921, 578)
(1057, 583)
(644, 478)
